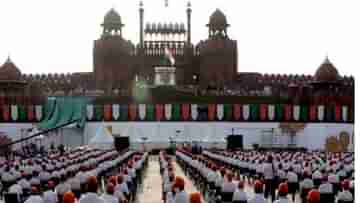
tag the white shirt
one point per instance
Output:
(109, 198)
(239, 195)
(122, 188)
(16, 188)
(228, 187)
(326, 188)
(91, 198)
(50, 197)
(282, 200)
(181, 197)
(170, 198)
(345, 196)
(268, 171)
(258, 198)
(24, 184)
(62, 188)
(34, 199)
(292, 177)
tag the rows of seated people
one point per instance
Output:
(73, 176)
(222, 175)
(174, 186)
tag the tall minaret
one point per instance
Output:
(188, 11)
(141, 11)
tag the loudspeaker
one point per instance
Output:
(121, 143)
(234, 142)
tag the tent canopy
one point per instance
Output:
(103, 138)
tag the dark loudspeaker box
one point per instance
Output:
(235, 142)
(121, 143)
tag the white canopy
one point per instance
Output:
(103, 139)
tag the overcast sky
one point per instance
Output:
(274, 36)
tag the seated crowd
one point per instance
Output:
(221, 176)
(78, 175)
(174, 186)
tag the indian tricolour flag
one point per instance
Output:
(169, 56)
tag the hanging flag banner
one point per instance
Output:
(6, 112)
(304, 113)
(150, 112)
(220, 111)
(14, 112)
(337, 113)
(168, 111)
(176, 112)
(116, 111)
(288, 112)
(321, 112)
(159, 112)
(254, 112)
(99, 112)
(296, 112)
(312, 112)
(194, 112)
(237, 112)
(263, 111)
(330, 113)
(22, 113)
(271, 112)
(30, 113)
(38, 112)
(185, 111)
(351, 113)
(246, 111)
(345, 113)
(211, 112)
(279, 108)
(89, 112)
(107, 112)
(132, 112)
(228, 112)
(124, 112)
(142, 111)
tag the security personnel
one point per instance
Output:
(269, 175)
(305, 186)
(121, 189)
(326, 191)
(7, 179)
(334, 179)
(240, 195)
(293, 182)
(259, 195)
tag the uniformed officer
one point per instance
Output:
(269, 176)
(240, 195)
